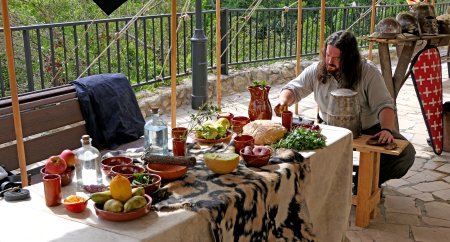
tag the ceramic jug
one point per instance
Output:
(259, 106)
(344, 110)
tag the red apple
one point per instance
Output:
(261, 150)
(69, 157)
(55, 165)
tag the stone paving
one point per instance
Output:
(414, 208)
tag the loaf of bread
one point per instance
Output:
(265, 132)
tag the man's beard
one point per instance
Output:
(332, 69)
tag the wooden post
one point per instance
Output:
(14, 94)
(372, 27)
(322, 37)
(218, 54)
(173, 63)
(299, 44)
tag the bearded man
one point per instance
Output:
(343, 67)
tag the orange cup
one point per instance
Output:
(52, 189)
(179, 132)
(238, 122)
(226, 115)
(241, 141)
(286, 120)
(179, 147)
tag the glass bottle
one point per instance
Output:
(88, 168)
(155, 134)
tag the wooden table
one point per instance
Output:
(368, 193)
(406, 47)
(326, 192)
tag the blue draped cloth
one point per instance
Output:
(110, 109)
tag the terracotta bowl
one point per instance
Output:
(126, 170)
(109, 162)
(66, 176)
(167, 172)
(149, 188)
(255, 160)
(111, 216)
(77, 206)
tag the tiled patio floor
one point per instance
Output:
(414, 208)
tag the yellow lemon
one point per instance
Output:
(120, 188)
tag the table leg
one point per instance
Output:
(368, 194)
(375, 188)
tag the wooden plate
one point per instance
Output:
(124, 216)
(225, 139)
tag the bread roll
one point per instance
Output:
(265, 132)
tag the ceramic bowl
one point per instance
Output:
(149, 188)
(111, 216)
(167, 172)
(76, 205)
(221, 163)
(109, 162)
(66, 176)
(255, 160)
(126, 170)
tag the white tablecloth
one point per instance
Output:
(328, 198)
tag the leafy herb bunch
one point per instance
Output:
(302, 139)
(259, 83)
(142, 179)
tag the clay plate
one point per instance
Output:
(123, 216)
(167, 172)
(225, 139)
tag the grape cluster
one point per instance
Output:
(95, 188)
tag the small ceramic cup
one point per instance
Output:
(179, 147)
(179, 132)
(241, 141)
(286, 120)
(238, 122)
(52, 189)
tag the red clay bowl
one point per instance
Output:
(126, 170)
(167, 172)
(66, 176)
(255, 160)
(123, 216)
(75, 204)
(109, 162)
(149, 188)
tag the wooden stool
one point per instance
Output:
(368, 193)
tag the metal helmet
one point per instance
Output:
(408, 23)
(388, 28)
(426, 16)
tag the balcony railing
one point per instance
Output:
(54, 54)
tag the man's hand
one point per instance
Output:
(279, 108)
(384, 137)
(284, 100)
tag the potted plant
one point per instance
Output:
(259, 106)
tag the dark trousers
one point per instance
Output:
(391, 166)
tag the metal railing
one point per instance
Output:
(54, 54)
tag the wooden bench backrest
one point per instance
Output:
(51, 122)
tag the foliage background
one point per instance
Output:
(27, 12)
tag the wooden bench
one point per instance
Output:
(368, 192)
(51, 122)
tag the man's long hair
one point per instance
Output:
(350, 71)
